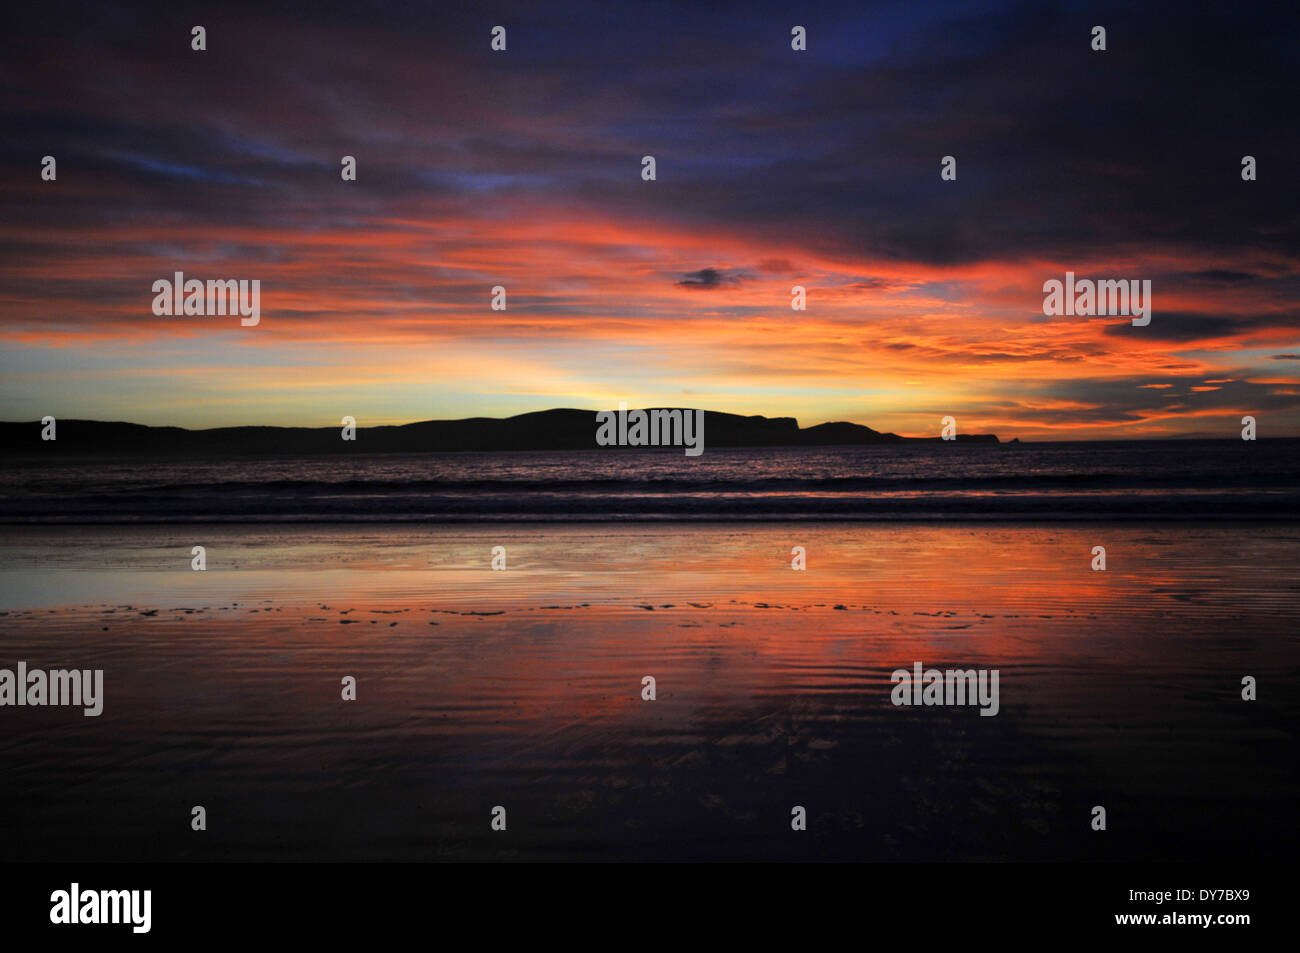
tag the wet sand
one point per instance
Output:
(522, 688)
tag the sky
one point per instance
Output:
(774, 168)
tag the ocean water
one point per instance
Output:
(1199, 479)
(522, 689)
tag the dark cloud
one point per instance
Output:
(710, 278)
(1222, 276)
(1185, 326)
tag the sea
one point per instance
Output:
(1203, 479)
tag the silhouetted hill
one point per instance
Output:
(561, 429)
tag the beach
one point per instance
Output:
(523, 688)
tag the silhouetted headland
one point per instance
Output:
(560, 429)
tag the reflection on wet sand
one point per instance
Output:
(523, 688)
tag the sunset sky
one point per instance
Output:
(774, 168)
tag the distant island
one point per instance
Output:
(560, 429)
